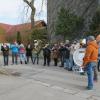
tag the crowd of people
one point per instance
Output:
(17, 50)
(62, 52)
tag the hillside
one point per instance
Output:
(9, 30)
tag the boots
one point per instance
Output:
(25, 62)
(21, 62)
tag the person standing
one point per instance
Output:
(29, 49)
(62, 54)
(72, 50)
(90, 60)
(98, 66)
(5, 50)
(47, 55)
(35, 53)
(98, 42)
(66, 58)
(22, 53)
(55, 54)
(14, 48)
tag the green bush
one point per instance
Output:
(68, 24)
(39, 34)
(95, 25)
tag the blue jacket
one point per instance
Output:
(14, 48)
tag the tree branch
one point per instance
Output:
(31, 4)
(87, 8)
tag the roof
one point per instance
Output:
(7, 29)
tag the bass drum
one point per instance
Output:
(78, 56)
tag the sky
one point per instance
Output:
(14, 11)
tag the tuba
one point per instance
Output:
(38, 45)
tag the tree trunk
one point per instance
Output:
(64, 37)
(32, 18)
(31, 5)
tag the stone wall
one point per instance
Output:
(84, 8)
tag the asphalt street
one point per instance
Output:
(37, 82)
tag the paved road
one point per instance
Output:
(37, 82)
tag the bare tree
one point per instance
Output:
(30, 3)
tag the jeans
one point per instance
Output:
(6, 58)
(35, 57)
(46, 60)
(14, 57)
(28, 59)
(90, 73)
(67, 64)
(62, 59)
(22, 57)
(71, 61)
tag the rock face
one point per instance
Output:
(84, 8)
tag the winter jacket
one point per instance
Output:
(29, 50)
(5, 50)
(14, 48)
(55, 53)
(64, 52)
(46, 52)
(91, 54)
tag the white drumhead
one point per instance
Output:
(78, 56)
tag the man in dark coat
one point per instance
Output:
(29, 49)
(5, 50)
(47, 55)
(62, 53)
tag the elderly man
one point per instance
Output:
(90, 60)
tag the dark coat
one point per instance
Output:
(64, 52)
(5, 50)
(46, 52)
(29, 51)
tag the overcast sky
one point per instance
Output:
(13, 12)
